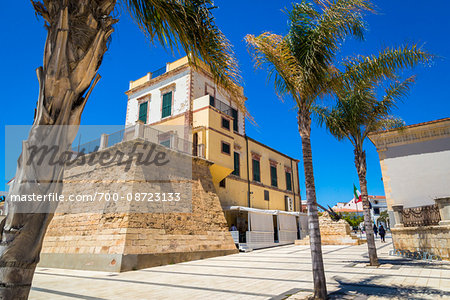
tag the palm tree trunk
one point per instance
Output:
(360, 163)
(320, 287)
(76, 42)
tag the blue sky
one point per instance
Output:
(131, 56)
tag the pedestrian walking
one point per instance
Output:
(382, 232)
(375, 230)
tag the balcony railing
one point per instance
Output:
(158, 72)
(225, 108)
(421, 216)
(167, 139)
(88, 147)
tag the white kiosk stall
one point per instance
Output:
(267, 228)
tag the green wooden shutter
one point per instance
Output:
(237, 170)
(256, 174)
(167, 105)
(234, 114)
(273, 176)
(288, 181)
(143, 112)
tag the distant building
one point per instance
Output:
(415, 164)
(378, 204)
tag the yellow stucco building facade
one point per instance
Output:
(248, 175)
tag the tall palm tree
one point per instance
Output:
(301, 63)
(78, 32)
(359, 110)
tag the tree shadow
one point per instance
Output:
(400, 261)
(366, 287)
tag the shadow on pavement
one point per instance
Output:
(408, 262)
(365, 288)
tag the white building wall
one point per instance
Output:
(180, 103)
(416, 180)
(181, 100)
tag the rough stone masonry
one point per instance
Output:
(116, 239)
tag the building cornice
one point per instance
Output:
(158, 79)
(411, 134)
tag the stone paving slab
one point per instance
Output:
(274, 273)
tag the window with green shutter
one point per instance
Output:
(234, 114)
(237, 169)
(167, 105)
(288, 181)
(143, 112)
(273, 176)
(256, 170)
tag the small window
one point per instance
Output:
(376, 211)
(222, 183)
(225, 123)
(237, 167)
(256, 169)
(226, 148)
(288, 181)
(143, 112)
(266, 195)
(273, 176)
(166, 105)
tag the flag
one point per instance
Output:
(357, 194)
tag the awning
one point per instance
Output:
(219, 172)
(260, 222)
(287, 223)
(264, 211)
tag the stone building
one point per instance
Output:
(230, 181)
(415, 163)
(378, 205)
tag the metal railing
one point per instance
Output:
(88, 147)
(158, 72)
(421, 216)
(168, 139)
(223, 107)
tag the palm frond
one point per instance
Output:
(394, 93)
(301, 62)
(387, 123)
(190, 24)
(271, 51)
(384, 65)
(315, 36)
(331, 119)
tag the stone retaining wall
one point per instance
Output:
(334, 233)
(126, 241)
(432, 239)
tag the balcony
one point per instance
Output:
(223, 107)
(167, 139)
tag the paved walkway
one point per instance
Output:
(274, 273)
